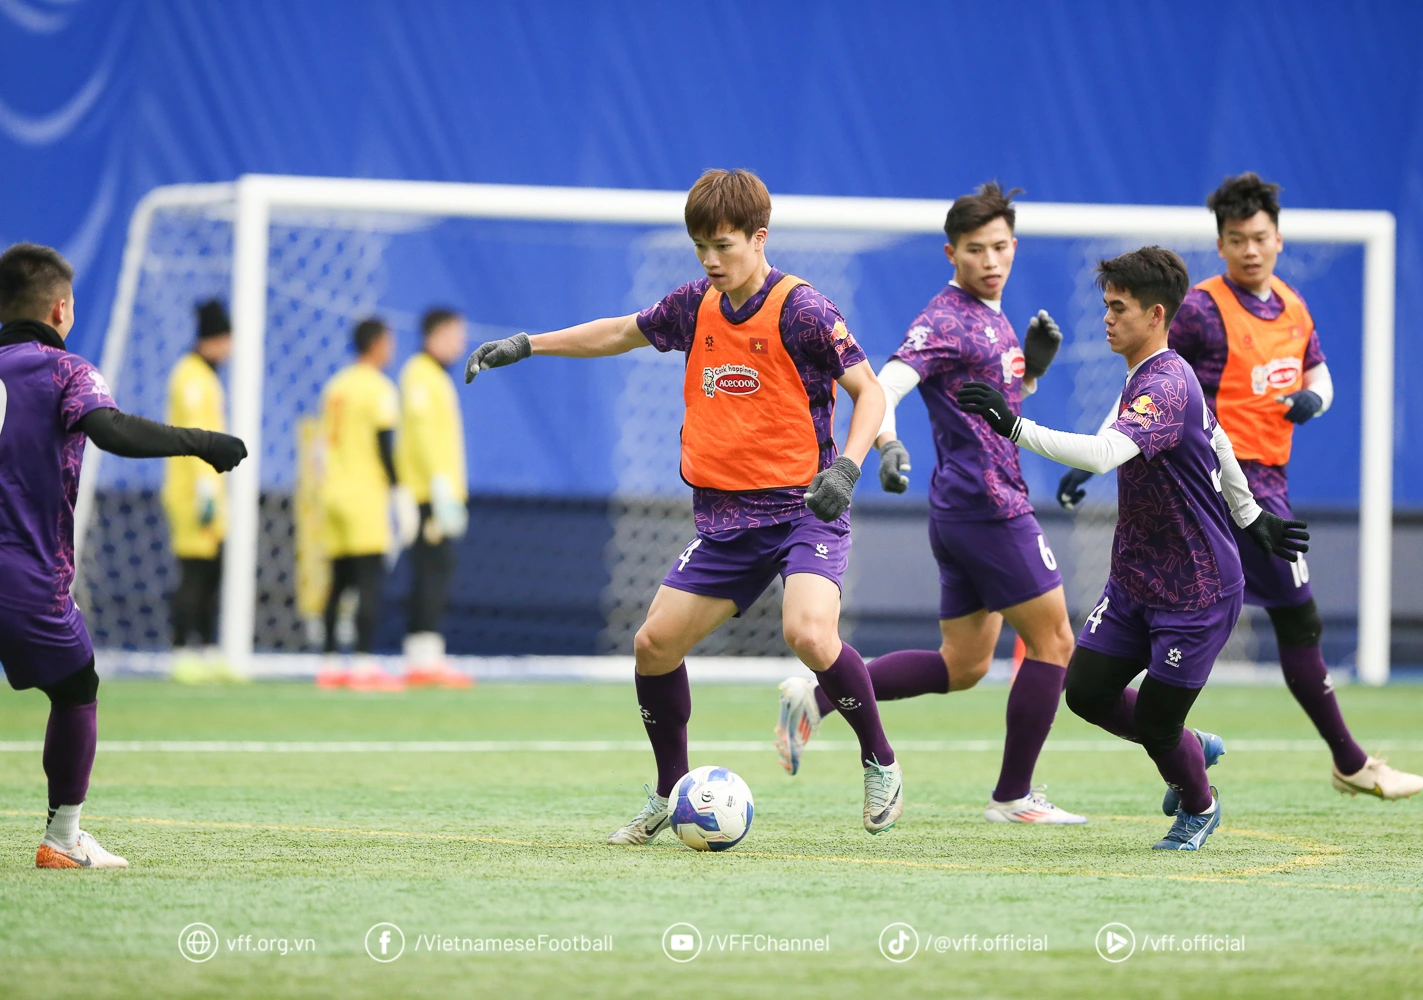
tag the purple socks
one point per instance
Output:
(1183, 767)
(846, 683)
(1308, 681)
(904, 674)
(1032, 705)
(69, 743)
(666, 703)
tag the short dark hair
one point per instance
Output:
(735, 198)
(31, 278)
(1152, 275)
(367, 332)
(1241, 197)
(974, 211)
(437, 317)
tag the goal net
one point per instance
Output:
(577, 506)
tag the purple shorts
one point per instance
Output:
(1178, 647)
(40, 648)
(991, 564)
(1271, 582)
(741, 563)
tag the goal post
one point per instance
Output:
(251, 201)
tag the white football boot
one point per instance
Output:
(86, 854)
(1031, 808)
(799, 721)
(884, 796)
(646, 825)
(1377, 778)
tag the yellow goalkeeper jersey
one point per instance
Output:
(431, 429)
(193, 494)
(358, 402)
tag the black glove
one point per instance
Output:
(1069, 488)
(497, 354)
(1302, 405)
(829, 492)
(893, 464)
(986, 401)
(222, 451)
(1277, 536)
(1040, 344)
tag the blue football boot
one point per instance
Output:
(1190, 831)
(1214, 748)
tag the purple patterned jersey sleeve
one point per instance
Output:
(671, 324)
(1198, 335)
(82, 390)
(929, 347)
(1155, 415)
(815, 335)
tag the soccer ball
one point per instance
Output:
(710, 809)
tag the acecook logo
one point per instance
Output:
(734, 380)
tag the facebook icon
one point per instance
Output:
(385, 942)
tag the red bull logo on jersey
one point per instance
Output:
(734, 380)
(1275, 374)
(1014, 365)
(1142, 411)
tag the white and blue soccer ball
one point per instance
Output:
(710, 809)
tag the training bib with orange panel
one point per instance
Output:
(748, 424)
(1265, 361)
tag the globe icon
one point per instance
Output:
(198, 942)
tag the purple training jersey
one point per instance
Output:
(1173, 546)
(1198, 335)
(808, 331)
(44, 392)
(958, 339)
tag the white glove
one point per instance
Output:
(206, 502)
(450, 514)
(405, 515)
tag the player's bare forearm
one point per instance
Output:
(864, 390)
(599, 338)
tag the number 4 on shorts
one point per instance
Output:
(1095, 618)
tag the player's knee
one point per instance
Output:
(79, 688)
(648, 646)
(1085, 696)
(964, 672)
(1158, 737)
(1052, 645)
(1297, 627)
(810, 636)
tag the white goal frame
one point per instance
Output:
(253, 196)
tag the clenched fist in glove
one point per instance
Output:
(497, 354)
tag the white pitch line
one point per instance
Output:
(624, 746)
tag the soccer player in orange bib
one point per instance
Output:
(770, 492)
(1251, 340)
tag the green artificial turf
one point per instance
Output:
(1322, 893)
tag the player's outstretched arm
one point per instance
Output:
(599, 338)
(829, 493)
(130, 436)
(897, 379)
(1071, 487)
(1100, 452)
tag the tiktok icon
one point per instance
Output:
(899, 942)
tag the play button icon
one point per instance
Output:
(1116, 942)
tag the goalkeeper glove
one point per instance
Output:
(1040, 344)
(497, 354)
(207, 502)
(1279, 537)
(1069, 489)
(986, 401)
(1302, 405)
(405, 516)
(450, 515)
(829, 494)
(893, 464)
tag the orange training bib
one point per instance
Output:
(748, 424)
(1265, 361)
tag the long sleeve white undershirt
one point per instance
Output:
(898, 380)
(1318, 381)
